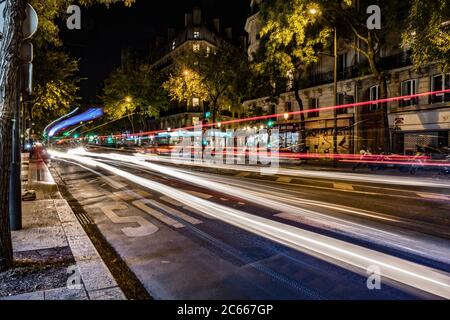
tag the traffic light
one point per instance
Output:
(76, 136)
(270, 124)
(207, 115)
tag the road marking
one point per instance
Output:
(182, 205)
(171, 201)
(342, 186)
(145, 228)
(243, 174)
(200, 194)
(284, 179)
(114, 182)
(142, 204)
(142, 193)
(434, 196)
(175, 212)
(123, 195)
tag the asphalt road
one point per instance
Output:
(191, 234)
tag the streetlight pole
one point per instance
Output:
(335, 126)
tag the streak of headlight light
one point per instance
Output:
(333, 250)
(237, 192)
(380, 179)
(395, 240)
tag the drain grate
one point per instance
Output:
(84, 219)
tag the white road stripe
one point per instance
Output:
(175, 212)
(141, 204)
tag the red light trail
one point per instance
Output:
(279, 115)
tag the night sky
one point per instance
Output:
(106, 31)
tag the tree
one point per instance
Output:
(214, 77)
(427, 33)
(134, 89)
(10, 45)
(291, 39)
(352, 23)
(55, 87)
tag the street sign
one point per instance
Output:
(2, 18)
(27, 78)
(30, 24)
(26, 52)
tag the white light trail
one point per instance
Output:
(336, 251)
(304, 173)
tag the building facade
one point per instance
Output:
(413, 122)
(196, 35)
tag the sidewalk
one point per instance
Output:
(68, 265)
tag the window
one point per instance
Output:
(341, 99)
(288, 107)
(342, 65)
(196, 47)
(196, 34)
(438, 83)
(374, 94)
(195, 102)
(409, 87)
(313, 105)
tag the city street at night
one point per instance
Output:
(225, 159)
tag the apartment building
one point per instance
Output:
(418, 122)
(197, 34)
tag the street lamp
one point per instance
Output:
(128, 99)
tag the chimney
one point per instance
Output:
(216, 23)
(187, 20)
(170, 33)
(229, 33)
(197, 16)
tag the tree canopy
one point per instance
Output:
(427, 34)
(212, 75)
(134, 89)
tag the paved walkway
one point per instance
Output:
(49, 222)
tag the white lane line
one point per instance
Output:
(123, 195)
(243, 174)
(182, 205)
(114, 182)
(142, 204)
(145, 228)
(175, 212)
(284, 179)
(434, 196)
(343, 186)
(200, 194)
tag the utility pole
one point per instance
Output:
(15, 187)
(335, 126)
(23, 86)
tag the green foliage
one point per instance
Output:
(134, 89)
(55, 86)
(291, 38)
(55, 80)
(217, 77)
(427, 34)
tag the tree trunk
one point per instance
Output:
(384, 110)
(9, 70)
(382, 82)
(302, 138)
